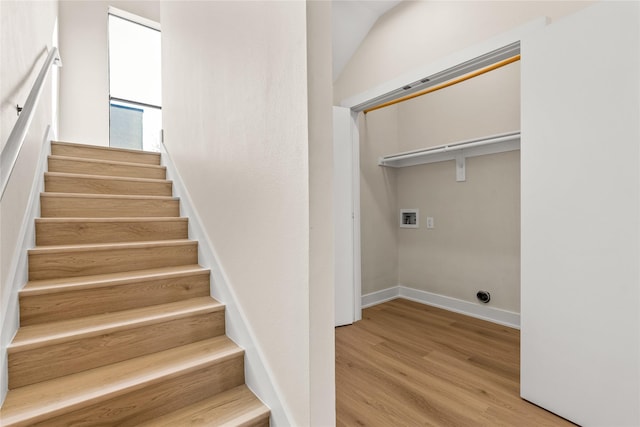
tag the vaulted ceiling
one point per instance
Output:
(351, 21)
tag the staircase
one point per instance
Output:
(117, 325)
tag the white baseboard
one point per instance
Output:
(375, 298)
(491, 314)
(259, 377)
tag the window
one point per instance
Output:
(135, 90)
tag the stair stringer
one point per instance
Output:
(18, 274)
(259, 377)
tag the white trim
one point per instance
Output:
(484, 312)
(259, 376)
(19, 269)
(375, 298)
(355, 188)
(137, 19)
(345, 296)
(490, 314)
(450, 61)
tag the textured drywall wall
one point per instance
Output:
(236, 125)
(27, 29)
(321, 277)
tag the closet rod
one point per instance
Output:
(451, 82)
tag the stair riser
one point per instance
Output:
(78, 207)
(262, 422)
(68, 305)
(72, 233)
(93, 261)
(66, 184)
(52, 361)
(105, 169)
(237, 407)
(101, 153)
(141, 405)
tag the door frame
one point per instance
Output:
(466, 60)
(345, 275)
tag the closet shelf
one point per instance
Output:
(457, 151)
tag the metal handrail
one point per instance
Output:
(10, 152)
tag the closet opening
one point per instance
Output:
(453, 157)
(460, 148)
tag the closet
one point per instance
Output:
(451, 157)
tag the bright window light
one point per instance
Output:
(134, 85)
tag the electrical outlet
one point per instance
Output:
(430, 222)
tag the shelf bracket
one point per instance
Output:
(460, 167)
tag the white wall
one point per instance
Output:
(84, 79)
(581, 216)
(321, 276)
(476, 240)
(236, 125)
(419, 32)
(26, 30)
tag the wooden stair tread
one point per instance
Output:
(32, 336)
(114, 219)
(81, 183)
(104, 167)
(105, 162)
(84, 151)
(53, 249)
(60, 204)
(235, 407)
(87, 230)
(37, 402)
(102, 147)
(103, 177)
(58, 261)
(118, 325)
(38, 287)
(106, 196)
(49, 300)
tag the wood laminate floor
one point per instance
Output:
(408, 364)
